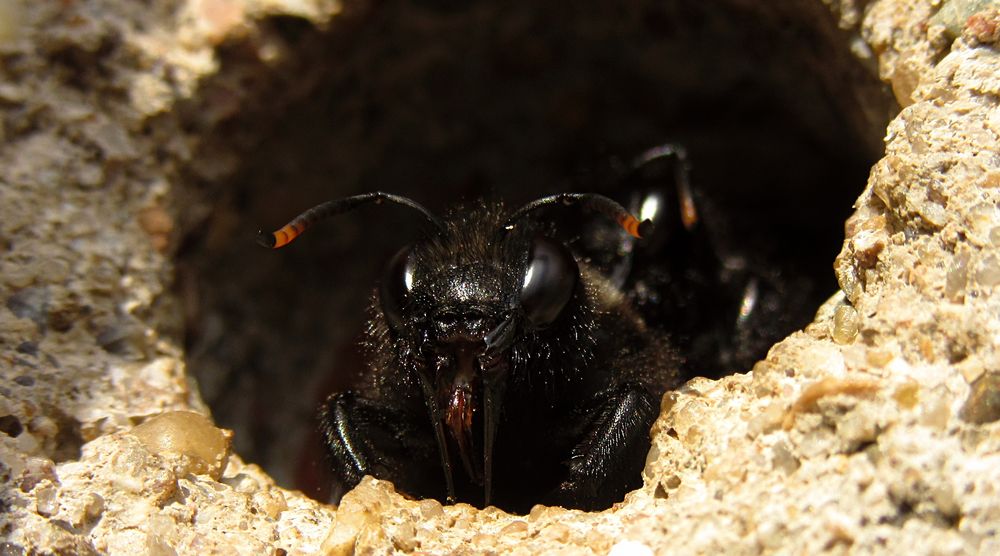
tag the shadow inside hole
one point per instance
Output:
(449, 104)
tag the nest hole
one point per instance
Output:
(447, 102)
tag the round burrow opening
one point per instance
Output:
(780, 111)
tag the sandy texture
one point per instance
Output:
(872, 431)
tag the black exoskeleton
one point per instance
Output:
(722, 296)
(503, 369)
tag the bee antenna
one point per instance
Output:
(590, 202)
(304, 221)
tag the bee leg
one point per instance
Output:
(607, 462)
(366, 437)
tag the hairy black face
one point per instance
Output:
(461, 304)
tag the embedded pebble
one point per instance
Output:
(847, 278)
(936, 411)
(431, 508)
(867, 246)
(766, 421)
(783, 459)
(846, 323)
(189, 434)
(93, 507)
(556, 532)
(983, 404)
(957, 277)
(18, 276)
(403, 536)
(242, 482)
(271, 501)
(46, 499)
(483, 539)
(515, 528)
(879, 357)
(907, 395)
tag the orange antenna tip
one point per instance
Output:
(634, 227)
(280, 238)
(265, 239)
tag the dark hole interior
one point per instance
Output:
(446, 102)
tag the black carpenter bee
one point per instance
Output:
(504, 370)
(536, 365)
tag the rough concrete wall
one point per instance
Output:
(873, 430)
(92, 97)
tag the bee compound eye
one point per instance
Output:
(394, 290)
(549, 281)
